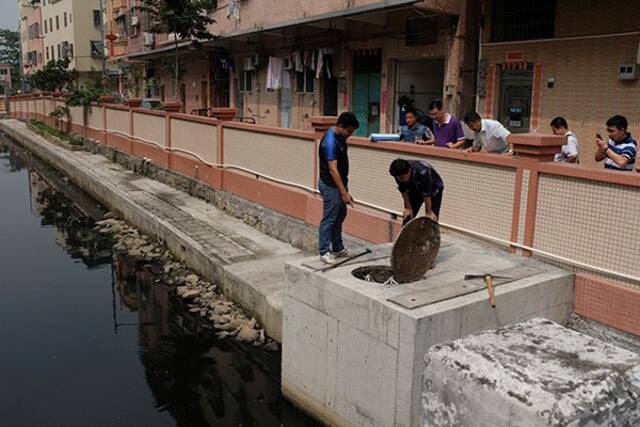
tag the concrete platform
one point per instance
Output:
(535, 373)
(353, 350)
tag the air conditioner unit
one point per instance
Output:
(149, 39)
(628, 71)
(288, 63)
(134, 20)
(248, 64)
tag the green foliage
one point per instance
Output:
(132, 81)
(65, 137)
(10, 53)
(55, 76)
(62, 111)
(187, 19)
(84, 97)
(152, 83)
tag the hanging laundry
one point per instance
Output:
(307, 58)
(274, 73)
(328, 62)
(320, 64)
(297, 59)
(286, 79)
(313, 59)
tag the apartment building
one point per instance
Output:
(328, 57)
(73, 29)
(547, 58)
(31, 36)
(124, 27)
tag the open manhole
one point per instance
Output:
(413, 254)
(373, 273)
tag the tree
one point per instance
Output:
(55, 76)
(186, 19)
(10, 53)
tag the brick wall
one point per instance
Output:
(587, 91)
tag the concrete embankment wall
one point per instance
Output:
(247, 264)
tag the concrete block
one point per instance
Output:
(374, 377)
(535, 373)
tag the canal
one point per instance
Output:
(87, 337)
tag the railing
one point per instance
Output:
(578, 217)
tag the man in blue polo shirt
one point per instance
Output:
(619, 152)
(414, 131)
(333, 186)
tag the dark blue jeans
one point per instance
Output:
(334, 211)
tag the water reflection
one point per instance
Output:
(196, 378)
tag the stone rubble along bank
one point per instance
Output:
(201, 296)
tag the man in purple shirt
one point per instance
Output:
(446, 128)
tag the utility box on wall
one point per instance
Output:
(628, 71)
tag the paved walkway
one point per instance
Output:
(247, 264)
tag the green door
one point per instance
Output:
(366, 92)
(366, 102)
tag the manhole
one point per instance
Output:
(373, 273)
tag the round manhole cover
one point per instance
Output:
(415, 250)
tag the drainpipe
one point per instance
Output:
(102, 23)
(477, 61)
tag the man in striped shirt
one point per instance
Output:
(619, 153)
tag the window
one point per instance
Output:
(70, 50)
(65, 50)
(522, 20)
(305, 81)
(59, 55)
(39, 57)
(244, 81)
(97, 49)
(70, 20)
(47, 52)
(57, 22)
(65, 19)
(34, 31)
(45, 26)
(50, 24)
(97, 19)
(3, 72)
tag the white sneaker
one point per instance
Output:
(341, 254)
(328, 258)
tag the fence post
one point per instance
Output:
(532, 149)
(222, 115)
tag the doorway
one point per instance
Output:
(419, 81)
(367, 67)
(286, 101)
(515, 99)
(220, 86)
(330, 96)
(204, 94)
(183, 97)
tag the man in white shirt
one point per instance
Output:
(488, 134)
(569, 152)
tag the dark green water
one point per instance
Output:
(87, 339)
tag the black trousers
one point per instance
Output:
(417, 201)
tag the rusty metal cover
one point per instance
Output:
(415, 250)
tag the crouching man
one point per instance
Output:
(419, 183)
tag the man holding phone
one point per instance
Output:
(619, 152)
(414, 131)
